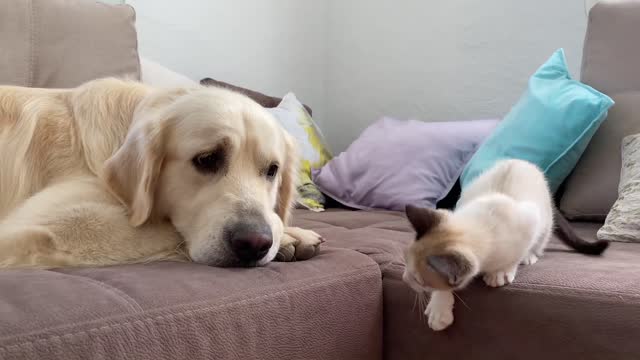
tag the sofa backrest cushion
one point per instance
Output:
(611, 64)
(63, 43)
(611, 51)
(592, 188)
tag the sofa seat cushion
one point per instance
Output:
(380, 234)
(568, 304)
(326, 308)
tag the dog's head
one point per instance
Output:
(214, 163)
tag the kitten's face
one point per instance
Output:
(436, 261)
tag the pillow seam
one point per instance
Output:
(597, 121)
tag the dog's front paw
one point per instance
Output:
(439, 316)
(298, 244)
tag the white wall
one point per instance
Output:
(439, 60)
(353, 61)
(272, 46)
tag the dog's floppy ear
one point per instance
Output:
(287, 190)
(132, 172)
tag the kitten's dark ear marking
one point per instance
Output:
(454, 267)
(422, 219)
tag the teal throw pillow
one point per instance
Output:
(550, 125)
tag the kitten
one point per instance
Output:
(504, 218)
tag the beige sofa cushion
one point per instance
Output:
(592, 187)
(610, 64)
(612, 47)
(63, 43)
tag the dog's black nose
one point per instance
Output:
(249, 242)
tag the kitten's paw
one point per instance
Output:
(440, 317)
(500, 278)
(298, 244)
(530, 259)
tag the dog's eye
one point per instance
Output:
(272, 171)
(209, 162)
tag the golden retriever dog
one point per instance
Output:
(116, 172)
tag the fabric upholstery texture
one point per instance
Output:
(609, 63)
(599, 166)
(329, 307)
(64, 43)
(623, 221)
(566, 306)
(398, 162)
(550, 125)
(611, 51)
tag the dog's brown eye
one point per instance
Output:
(209, 162)
(272, 171)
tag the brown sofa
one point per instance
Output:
(347, 303)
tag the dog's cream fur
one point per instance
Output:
(102, 174)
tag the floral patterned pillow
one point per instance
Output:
(623, 220)
(314, 152)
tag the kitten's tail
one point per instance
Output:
(565, 232)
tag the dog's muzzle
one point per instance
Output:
(249, 239)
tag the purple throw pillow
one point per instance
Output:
(395, 162)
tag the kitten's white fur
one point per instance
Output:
(507, 216)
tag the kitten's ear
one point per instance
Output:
(422, 219)
(454, 267)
